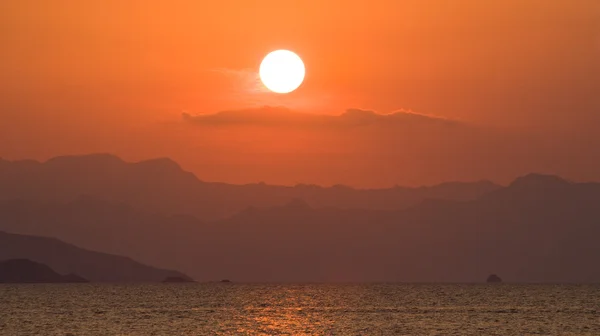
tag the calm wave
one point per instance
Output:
(314, 309)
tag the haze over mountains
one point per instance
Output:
(367, 148)
(538, 229)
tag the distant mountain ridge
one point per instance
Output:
(68, 259)
(538, 229)
(160, 185)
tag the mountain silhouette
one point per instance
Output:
(68, 259)
(161, 186)
(27, 271)
(538, 229)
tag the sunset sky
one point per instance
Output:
(493, 89)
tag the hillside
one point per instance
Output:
(27, 271)
(66, 259)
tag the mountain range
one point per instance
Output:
(160, 185)
(540, 228)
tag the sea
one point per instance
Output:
(299, 309)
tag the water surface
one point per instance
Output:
(311, 309)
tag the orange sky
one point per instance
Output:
(115, 76)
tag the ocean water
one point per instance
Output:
(311, 309)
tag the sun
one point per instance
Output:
(282, 71)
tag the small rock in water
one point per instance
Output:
(493, 278)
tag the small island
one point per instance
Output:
(27, 271)
(493, 278)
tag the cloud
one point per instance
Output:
(283, 117)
